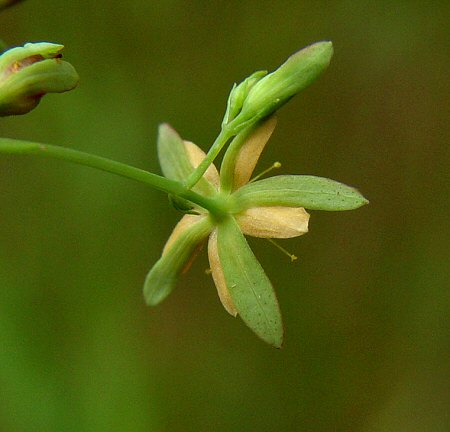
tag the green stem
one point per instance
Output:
(221, 140)
(12, 146)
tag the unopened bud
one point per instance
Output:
(274, 90)
(238, 95)
(27, 73)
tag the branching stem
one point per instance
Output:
(12, 146)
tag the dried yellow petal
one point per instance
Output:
(249, 153)
(274, 222)
(185, 222)
(218, 276)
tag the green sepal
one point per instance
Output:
(182, 205)
(310, 192)
(172, 154)
(45, 49)
(162, 278)
(238, 94)
(248, 285)
(174, 159)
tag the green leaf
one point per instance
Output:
(174, 159)
(249, 287)
(314, 193)
(162, 278)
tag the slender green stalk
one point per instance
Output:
(221, 140)
(12, 146)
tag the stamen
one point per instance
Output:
(275, 165)
(282, 249)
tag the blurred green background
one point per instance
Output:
(366, 306)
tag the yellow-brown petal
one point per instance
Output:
(250, 152)
(196, 156)
(185, 222)
(177, 256)
(218, 276)
(274, 222)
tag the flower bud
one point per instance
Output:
(238, 95)
(275, 89)
(27, 73)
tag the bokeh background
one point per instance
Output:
(367, 304)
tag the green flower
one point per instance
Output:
(27, 73)
(270, 208)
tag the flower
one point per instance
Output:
(268, 208)
(27, 73)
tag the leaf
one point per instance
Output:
(180, 248)
(249, 287)
(310, 192)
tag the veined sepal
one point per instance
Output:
(238, 94)
(179, 158)
(310, 192)
(249, 287)
(176, 258)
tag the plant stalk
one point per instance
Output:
(13, 146)
(221, 140)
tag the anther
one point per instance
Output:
(282, 249)
(275, 165)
